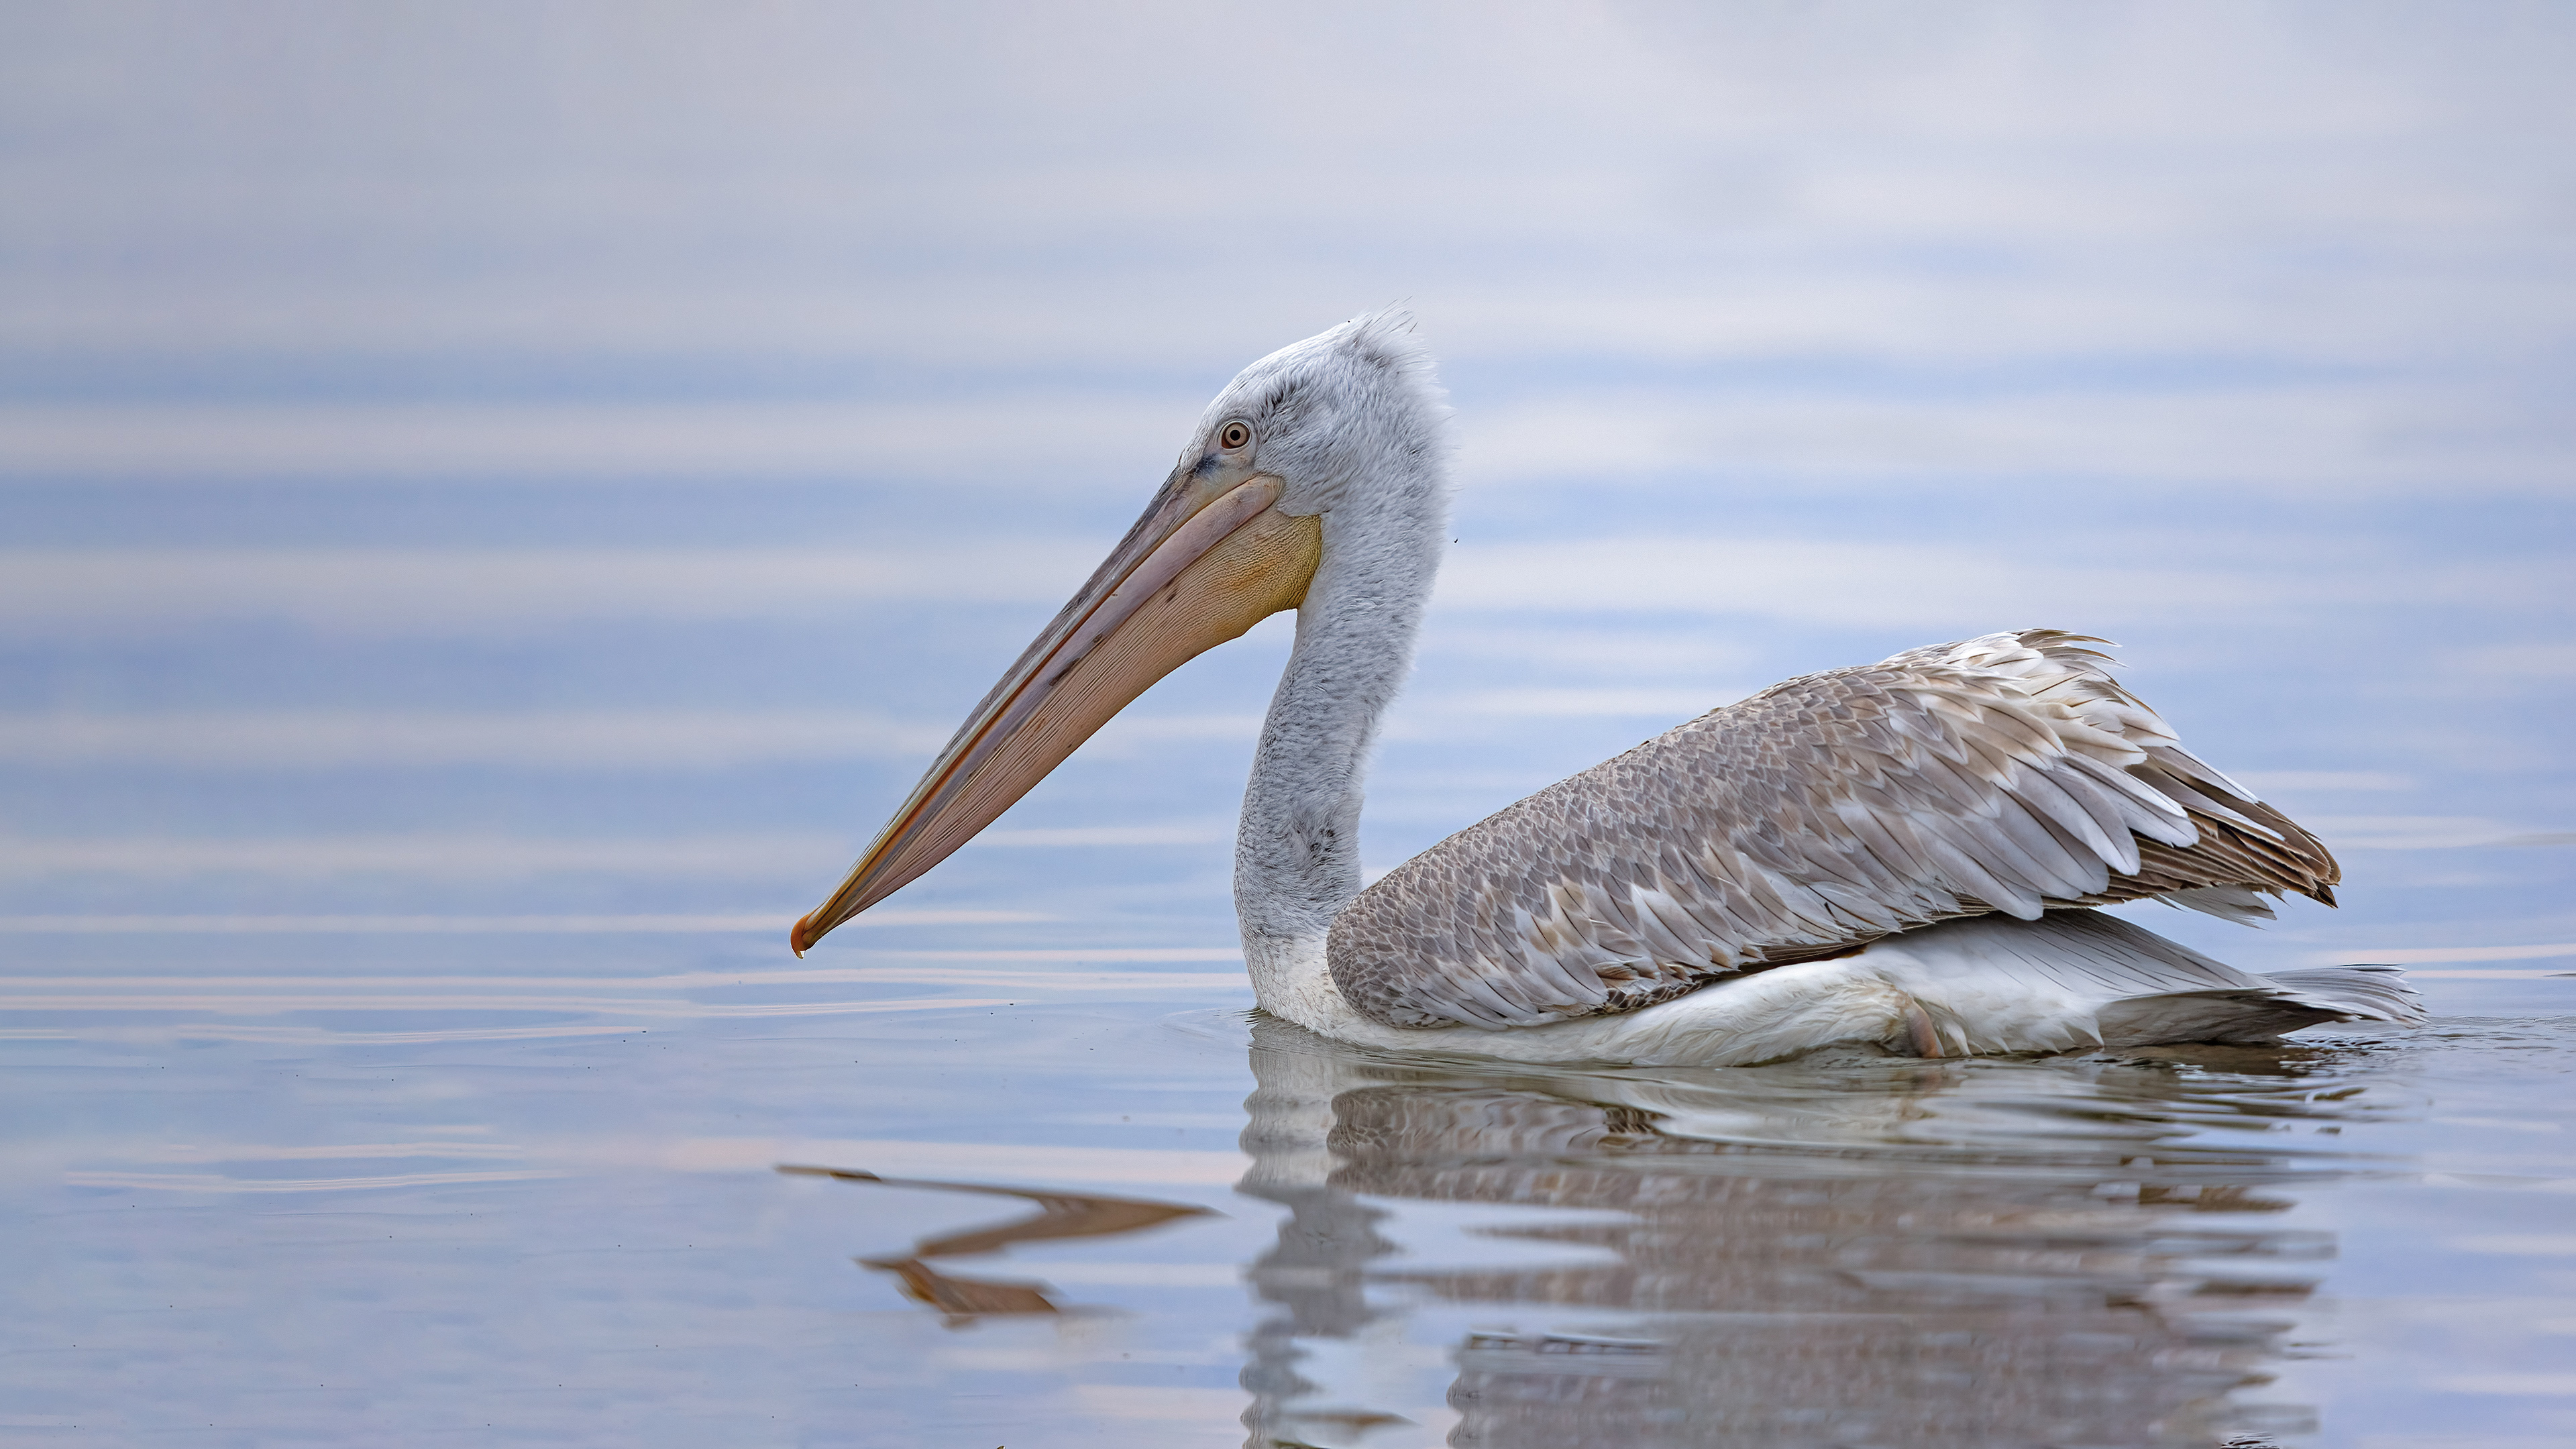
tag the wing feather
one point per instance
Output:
(2008, 773)
(2066, 800)
(2149, 815)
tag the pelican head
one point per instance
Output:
(1293, 472)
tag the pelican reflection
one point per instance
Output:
(1853, 1251)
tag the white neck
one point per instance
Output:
(1296, 854)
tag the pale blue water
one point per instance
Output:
(488, 527)
(476, 1141)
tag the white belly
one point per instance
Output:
(1990, 984)
(1866, 997)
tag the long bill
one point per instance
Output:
(1209, 559)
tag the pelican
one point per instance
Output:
(1902, 853)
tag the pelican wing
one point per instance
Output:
(2006, 773)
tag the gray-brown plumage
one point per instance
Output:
(2006, 773)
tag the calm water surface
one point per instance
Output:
(401, 1047)
(293, 1197)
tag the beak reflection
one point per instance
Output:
(1059, 1215)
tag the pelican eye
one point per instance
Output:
(1234, 435)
